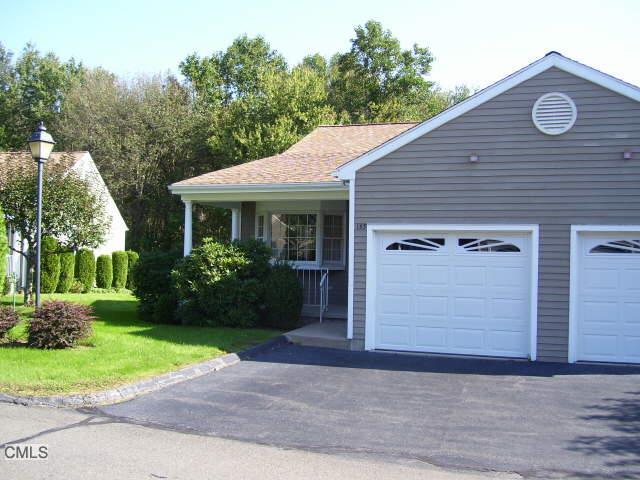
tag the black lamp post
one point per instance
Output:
(41, 143)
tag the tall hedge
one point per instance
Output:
(120, 261)
(152, 285)
(67, 266)
(50, 266)
(133, 259)
(4, 249)
(86, 269)
(104, 271)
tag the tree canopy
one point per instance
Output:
(226, 108)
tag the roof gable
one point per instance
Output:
(12, 162)
(311, 160)
(552, 59)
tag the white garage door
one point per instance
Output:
(608, 297)
(464, 293)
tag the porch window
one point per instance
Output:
(293, 237)
(333, 239)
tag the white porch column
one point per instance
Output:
(188, 227)
(235, 224)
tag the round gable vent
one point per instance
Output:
(554, 113)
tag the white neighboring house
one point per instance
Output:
(82, 164)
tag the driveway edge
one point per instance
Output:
(135, 389)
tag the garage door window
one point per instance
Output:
(486, 245)
(617, 246)
(417, 245)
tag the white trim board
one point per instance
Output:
(371, 276)
(351, 252)
(553, 59)
(573, 276)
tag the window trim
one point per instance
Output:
(264, 227)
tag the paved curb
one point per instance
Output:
(133, 390)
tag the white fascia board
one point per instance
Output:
(259, 188)
(348, 170)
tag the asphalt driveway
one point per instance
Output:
(539, 420)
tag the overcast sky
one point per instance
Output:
(474, 42)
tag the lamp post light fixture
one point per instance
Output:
(41, 143)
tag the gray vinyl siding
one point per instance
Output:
(522, 177)
(248, 220)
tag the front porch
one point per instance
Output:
(308, 230)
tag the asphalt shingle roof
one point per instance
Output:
(312, 159)
(14, 162)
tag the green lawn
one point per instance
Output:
(121, 349)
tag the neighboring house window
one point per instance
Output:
(260, 227)
(293, 237)
(333, 239)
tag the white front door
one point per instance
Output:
(608, 297)
(453, 292)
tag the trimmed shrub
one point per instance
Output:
(86, 269)
(67, 266)
(8, 320)
(283, 298)
(133, 259)
(50, 269)
(152, 286)
(4, 250)
(120, 261)
(221, 284)
(104, 271)
(59, 325)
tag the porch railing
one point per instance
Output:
(324, 293)
(315, 287)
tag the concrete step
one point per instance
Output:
(328, 334)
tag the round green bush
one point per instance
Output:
(67, 265)
(133, 259)
(50, 266)
(282, 298)
(59, 325)
(120, 261)
(4, 250)
(104, 271)
(86, 269)
(220, 284)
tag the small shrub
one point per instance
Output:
(86, 269)
(50, 269)
(152, 286)
(59, 325)
(282, 298)
(133, 259)
(104, 271)
(120, 261)
(77, 287)
(8, 320)
(67, 266)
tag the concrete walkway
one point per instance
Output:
(85, 446)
